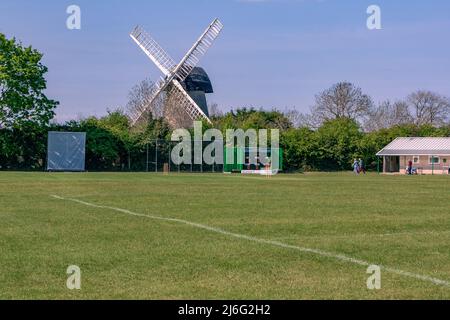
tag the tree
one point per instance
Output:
(342, 100)
(23, 149)
(214, 110)
(117, 123)
(247, 118)
(429, 108)
(387, 115)
(299, 119)
(335, 144)
(138, 98)
(22, 82)
(296, 144)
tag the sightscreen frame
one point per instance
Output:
(66, 151)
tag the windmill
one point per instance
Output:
(174, 74)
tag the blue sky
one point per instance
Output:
(272, 53)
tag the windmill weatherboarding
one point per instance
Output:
(174, 74)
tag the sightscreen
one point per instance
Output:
(66, 151)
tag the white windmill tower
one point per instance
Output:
(174, 74)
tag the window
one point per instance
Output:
(416, 160)
(434, 160)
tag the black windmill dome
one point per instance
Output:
(197, 84)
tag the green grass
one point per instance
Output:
(396, 221)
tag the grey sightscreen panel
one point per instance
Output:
(66, 151)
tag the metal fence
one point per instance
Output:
(155, 156)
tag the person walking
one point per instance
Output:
(362, 167)
(356, 166)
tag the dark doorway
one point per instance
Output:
(391, 164)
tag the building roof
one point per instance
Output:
(414, 146)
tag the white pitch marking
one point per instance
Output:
(340, 257)
(365, 235)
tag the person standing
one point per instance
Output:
(409, 169)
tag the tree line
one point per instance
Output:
(112, 145)
(344, 123)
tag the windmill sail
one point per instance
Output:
(199, 48)
(153, 50)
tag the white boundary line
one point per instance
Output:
(366, 235)
(335, 256)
